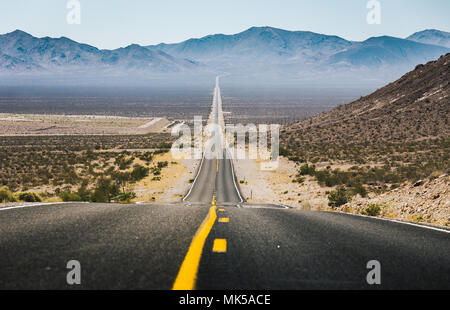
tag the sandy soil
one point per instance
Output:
(36, 124)
(277, 186)
(174, 181)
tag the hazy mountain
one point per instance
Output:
(413, 108)
(255, 55)
(301, 55)
(387, 51)
(21, 51)
(432, 36)
(257, 45)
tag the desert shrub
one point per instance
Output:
(307, 170)
(104, 191)
(338, 197)
(83, 191)
(372, 210)
(156, 171)
(162, 164)
(123, 162)
(28, 197)
(147, 157)
(69, 196)
(125, 197)
(283, 151)
(139, 172)
(359, 189)
(6, 195)
(299, 180)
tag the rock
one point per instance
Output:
(418, 183)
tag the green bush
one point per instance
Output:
(104, 191)
(139, 172)
(28, 197)
(359, 189)
(147, 157)
(338, 197)
(70, 196)
(125, 197)
(307, 170)
(299, 180)
(283, 152)
(6, 195)
(372, 210)
(162, 164)
(83, 191)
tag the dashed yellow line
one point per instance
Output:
(220, 245)
(222, 210)
(224, 220)
(187, 275)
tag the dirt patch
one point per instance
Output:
(41, 124)
(277, 186)
(172, 185)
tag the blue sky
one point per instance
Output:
(116, 23)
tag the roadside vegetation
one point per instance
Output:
(78, 168)
(366, 168)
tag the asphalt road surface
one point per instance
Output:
(215, 240)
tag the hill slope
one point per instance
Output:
(386, 154)
(413, 108)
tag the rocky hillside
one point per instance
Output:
(386, 154)
(422, 201)
(413, 108)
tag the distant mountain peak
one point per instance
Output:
(431, 36)
(18, 34)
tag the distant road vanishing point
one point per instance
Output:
(213, 239)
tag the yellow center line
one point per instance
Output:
(220, 245)
(187, 275)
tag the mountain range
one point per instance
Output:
(259, 52)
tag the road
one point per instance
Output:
(214, 240)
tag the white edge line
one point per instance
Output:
(234, 177)
(39, 204)
(284, 206)
(395, 221)
(195, 180)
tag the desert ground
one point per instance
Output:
(46, 124)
